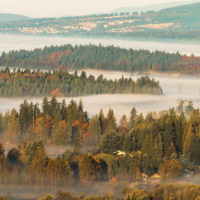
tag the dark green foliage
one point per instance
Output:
(189, 108)
(94, 131)
(109, 142)
(94, 57)
(111, 121)
(133, 117)
(194, 149)
(61, 83)
(14, 156)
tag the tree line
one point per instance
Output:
(166, 143)
(169, 191)
(20, 83)
(94, 57)
(68, 57)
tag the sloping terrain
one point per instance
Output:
(4, 17)
(181, 22)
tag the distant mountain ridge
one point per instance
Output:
(5, 17)
(189, 8)
(153, 7)
(178, 22)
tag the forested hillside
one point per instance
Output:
(176, 23)
(98, 150)
(22, 83)
(68, 57)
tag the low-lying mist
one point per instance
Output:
(174, 88)
(13, 42)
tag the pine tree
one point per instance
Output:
(140, 119)
(77, 137)
(180, 107)
(124, 121)
(112, 126)
(13, 128)
(158, 152)
(53, 106)
(24, 117)
(60, 135)
(46, 106)
(194, 149)
(94, 131)
(189, 108)
(169, 134)
(109, 142)
(170, 150)
(80, 106)
(146, 145)
(133, 117)
(180, 126)
(102, 120)
(57, 118)
(3, 166)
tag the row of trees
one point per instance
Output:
(166, 144)
(61, 83)
(169, 191)
(94, 57)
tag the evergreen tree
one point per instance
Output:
(194, 149)
(94, 131)
(109, 142)
(111, 120)
(170, 150)
(189, 108)
(180, 107)
(133, 117)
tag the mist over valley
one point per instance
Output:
(175, 89)
(17, 42)
(101, 107)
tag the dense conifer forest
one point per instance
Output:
(20, 83)
(99, 151)
(67, 57)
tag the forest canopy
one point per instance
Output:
(20, 83)
(141, 150)
(68, 57)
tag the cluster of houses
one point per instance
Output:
(187, 176)
(152, 179)
(35, 30)
(112, 24)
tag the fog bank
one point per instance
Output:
(13, 42)
(174, 89)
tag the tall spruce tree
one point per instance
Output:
(133, 117)
(94, 131)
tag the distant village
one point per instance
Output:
(109, 24)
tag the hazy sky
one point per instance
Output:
(51, 8)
